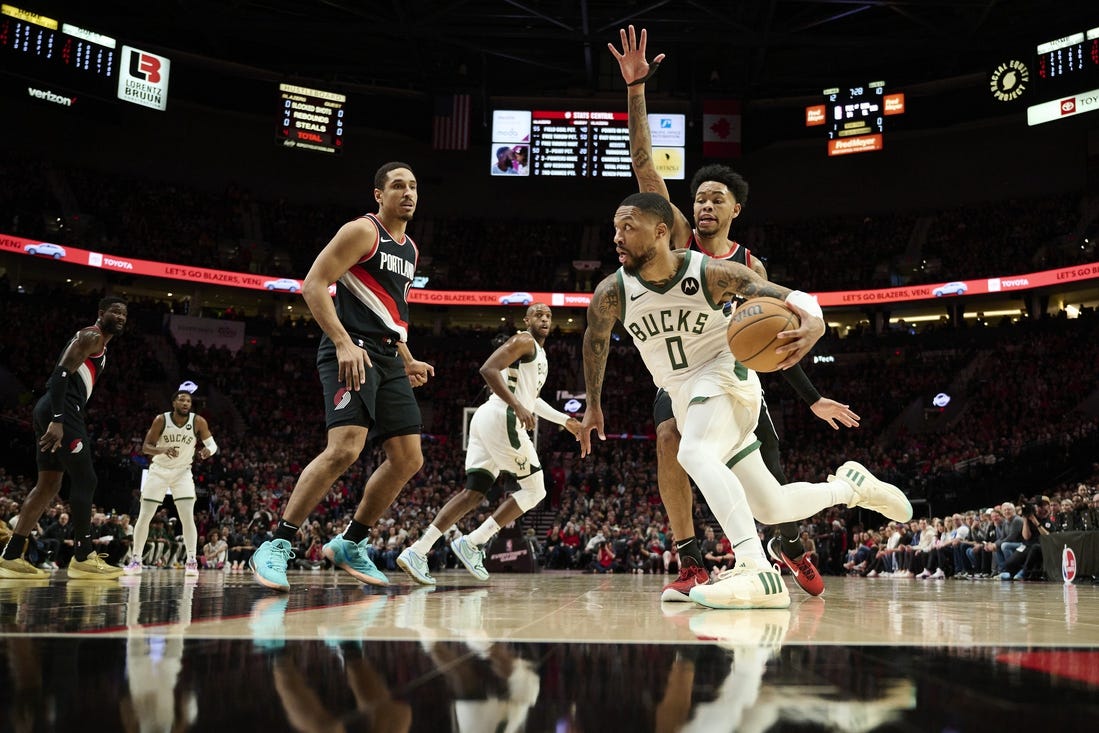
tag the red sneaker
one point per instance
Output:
(690, 575)
(807, 576)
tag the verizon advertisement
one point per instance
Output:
(192, 273)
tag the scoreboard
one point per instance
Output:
(1071, 56)
(64, 62)
(1067, 77)
(580, 143)
(854, 116)
(45, 49)
(311, 119)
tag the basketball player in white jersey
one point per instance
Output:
(498, 441)
(672, 302)
(171, 441)
(719, 195)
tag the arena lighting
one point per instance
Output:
(990, 314)
(915, 319)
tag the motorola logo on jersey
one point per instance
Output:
(76, 446)
(689, 286)
(342, 398)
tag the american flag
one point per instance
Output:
(451, 122)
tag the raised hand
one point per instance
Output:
(631, 60)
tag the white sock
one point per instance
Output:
(423, 545)
(484, 533)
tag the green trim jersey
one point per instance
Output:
(178, 436)
(497, 441)
(525, 378)
(677, 328)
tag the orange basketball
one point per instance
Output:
(753, 332)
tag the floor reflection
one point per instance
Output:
(158, 655)
(163, 683)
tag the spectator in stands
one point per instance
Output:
(214, 551)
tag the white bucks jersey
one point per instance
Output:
(525, 378)
(677, 328)
(181, 437)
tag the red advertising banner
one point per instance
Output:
(832, 299)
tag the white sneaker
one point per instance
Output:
(133, 567)
(747, 585)
(872, 574)
(415, 565)
(872, 493)
(190, 570)
(924, 574)
(471, 556)
(938, 574)
(735, 630)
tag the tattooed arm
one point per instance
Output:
(604, 310)
(725, 280)
(632, 64)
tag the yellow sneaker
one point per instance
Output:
(21, 569)
(93, 567)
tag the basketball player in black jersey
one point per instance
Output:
(719, 195)
(64, 447)
(367, 374)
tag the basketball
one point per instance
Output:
(753, 332)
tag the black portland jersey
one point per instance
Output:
(372, 296)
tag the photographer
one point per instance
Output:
(1026, 562)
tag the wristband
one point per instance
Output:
(210, 445)
(806, 302)
(652, 72)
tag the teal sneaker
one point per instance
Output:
(268, 564)
(349, 624)
(266, 622)
(353, 558)
(415, 565)
(471, 556)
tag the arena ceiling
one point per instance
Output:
(756, 49)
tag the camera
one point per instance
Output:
(1027, 510)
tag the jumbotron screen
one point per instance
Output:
(580, 143)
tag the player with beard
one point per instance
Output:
(64, 447)
(171, 442)
(719, 196)
(672, 303)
